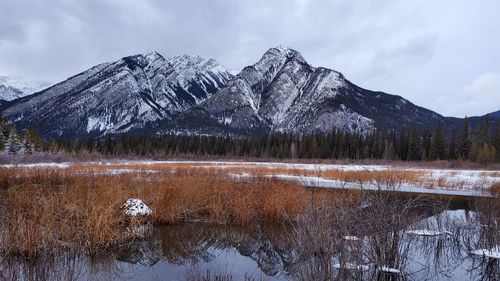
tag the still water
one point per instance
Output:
(269, 252)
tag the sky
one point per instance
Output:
(440, 54)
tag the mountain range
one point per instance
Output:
(12, 88)
(151, 94)
(126, 95)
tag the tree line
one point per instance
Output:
(409, 144)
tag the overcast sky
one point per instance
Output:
(440, 54)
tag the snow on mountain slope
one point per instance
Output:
(129, 94)
(282, 92)
(12, 88)
(192, 95)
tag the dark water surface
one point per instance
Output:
(268, 251)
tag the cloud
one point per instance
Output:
(486, 86)
(421, 49)
(479, 97)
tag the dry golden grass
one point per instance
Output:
(389, 176)
(50, 209)
(79, 207)
(495, 189)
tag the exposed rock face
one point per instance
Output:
(129, 94)
(283, 93)
(192, 95)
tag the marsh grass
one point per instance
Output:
(79, 207)
(390, 176)
(46, 210)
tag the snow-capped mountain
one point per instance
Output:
(12, 88)
(193, 95)
(282, 92)
(130, 94)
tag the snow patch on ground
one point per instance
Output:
(428, 232)
(351, 238)
(387, 269)
(38, 165)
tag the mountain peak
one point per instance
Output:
(152, 56)
(194, 64)
(284, 49)
(285, 52)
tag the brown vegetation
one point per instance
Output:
(78, 207)
(65, 208)
(495, 189)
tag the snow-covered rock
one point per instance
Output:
(135, 207)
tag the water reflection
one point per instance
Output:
(326, 248)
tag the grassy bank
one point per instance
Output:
(79, 207)
(50, 209)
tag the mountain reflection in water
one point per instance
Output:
(269, 251)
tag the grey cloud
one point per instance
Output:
(420, 49)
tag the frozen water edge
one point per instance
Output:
(428, 232)
(351, 266)
(320, 182)
(490, 253)
(366, 267)
(38, 165)
(471, 180)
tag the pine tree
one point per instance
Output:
(2, 141)
(426, 145)
(483, 131)
(481, 139)
(13, 144)
(464, 145)
(414, 144)
(32, 141)
(496, 141)
(486, 153)
(452, 148)
(438, 144)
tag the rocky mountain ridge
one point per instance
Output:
(129, 94)
(283, 93)
(150, 94)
